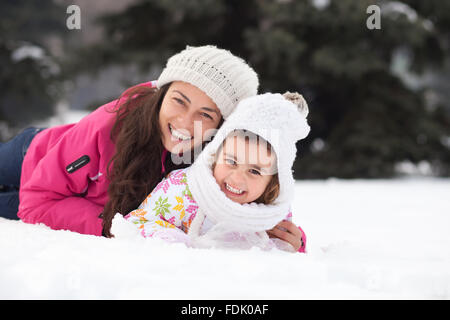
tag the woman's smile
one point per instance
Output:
(178, 134)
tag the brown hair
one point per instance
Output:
(136, 164)
(271, 192)
(273, 187)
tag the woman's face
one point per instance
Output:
(243, 169)
(187, 117)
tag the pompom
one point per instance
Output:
(299, 101)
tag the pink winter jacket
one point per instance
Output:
(63, 183)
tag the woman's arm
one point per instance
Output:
(64, 180)
(287, 231)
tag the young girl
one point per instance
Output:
(77, 176)
(240, 185)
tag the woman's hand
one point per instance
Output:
(287, 231)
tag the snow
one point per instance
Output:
(27, 51)
(320, 4)
(378, 239)
(63, 115)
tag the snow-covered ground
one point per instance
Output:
(381, 239)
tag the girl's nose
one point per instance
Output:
(237, 179)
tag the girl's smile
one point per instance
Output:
(234, 194)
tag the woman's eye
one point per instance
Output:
(207, 116)
(255, 172)
(179, 101)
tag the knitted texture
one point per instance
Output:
(225, 78)
(278, 121)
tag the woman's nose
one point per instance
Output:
(186, 121)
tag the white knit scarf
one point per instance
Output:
(220, 209)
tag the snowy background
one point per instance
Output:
(366, 240)
(378, 239)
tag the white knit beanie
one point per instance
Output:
(224, 77)
(281, 123)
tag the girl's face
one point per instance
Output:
(186, 114)
(243, 169)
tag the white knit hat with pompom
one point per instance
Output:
(281, 121)
(224, 77)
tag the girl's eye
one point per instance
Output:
(255, 172)
(230, 161)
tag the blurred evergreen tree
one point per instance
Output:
(150, 31)
(28, 73)
(437, 14)
(367, 116)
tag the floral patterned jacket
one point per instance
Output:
(169, 210)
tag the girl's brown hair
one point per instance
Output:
(135, 169)
(271, 192)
